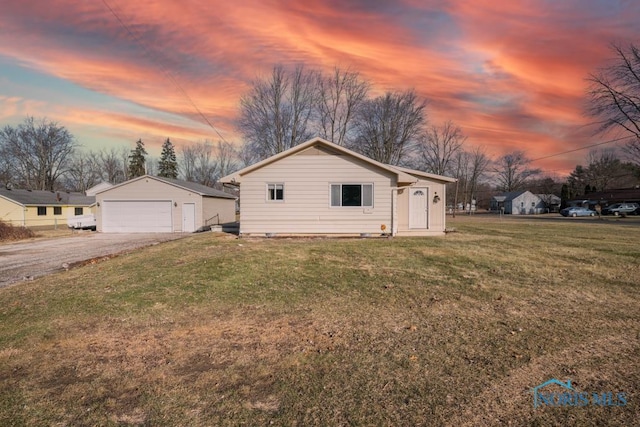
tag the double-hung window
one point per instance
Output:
(78, 211)
(42, 211)
(57, 210)
(275, 192)
(352, 195)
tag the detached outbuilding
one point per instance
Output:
(151, 204)
(319, 187)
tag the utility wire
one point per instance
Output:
(164, 69)
(584, 147)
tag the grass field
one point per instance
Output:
(214, 330)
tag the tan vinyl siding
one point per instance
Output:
(218, 211)
(306, 207)
(151, 189)
(436, 219)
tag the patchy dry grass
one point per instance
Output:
(211, 330)
(10, 232)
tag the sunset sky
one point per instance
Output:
(510, 73)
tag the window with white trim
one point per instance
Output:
(352, 195)
(275, 192)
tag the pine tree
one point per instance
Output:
(168, 164)
(137, 160)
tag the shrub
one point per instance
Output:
(10, 232)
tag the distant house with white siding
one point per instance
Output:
(518, 203)
(319, 187)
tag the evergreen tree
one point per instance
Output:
(168, 164)
(137, 160)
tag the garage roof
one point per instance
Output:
(203, 190)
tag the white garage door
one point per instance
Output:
(139, 216)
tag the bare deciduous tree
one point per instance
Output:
(197, 163)
(469, 168)
(614, 96)
(604, 166)
(387, 127)
(83, 172)
(340, 94)
(512, 171)
(275, 114)
(113, 166)
(439, 146)
(38, 152)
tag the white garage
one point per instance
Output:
(136, 216)
(151, 204)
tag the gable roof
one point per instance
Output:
(421, 174)
(194, 187)
(46, 198)
(406, 176)
(509, 196)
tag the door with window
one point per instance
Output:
(418, 207)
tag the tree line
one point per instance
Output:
(289, 106)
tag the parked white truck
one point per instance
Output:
(82, 222)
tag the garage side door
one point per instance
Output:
(139, 216)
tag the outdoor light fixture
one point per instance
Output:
(98, 204)
(175, 204)
(436, 198)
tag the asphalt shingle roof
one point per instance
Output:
(48, 198)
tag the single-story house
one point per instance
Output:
(152, 204)
(522, 202)
(42, 208)
(319, 187)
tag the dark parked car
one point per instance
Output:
(577, 211)
(621, 209)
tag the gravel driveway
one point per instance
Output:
(30, 259)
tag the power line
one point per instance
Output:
(164, 69)
(583, 147)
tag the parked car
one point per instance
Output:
(621, 209)
(577, 211)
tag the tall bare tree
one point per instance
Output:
(197, 163)
(275, 114)
(469, 168)
(614, 96)
(113, 164)
(226, 158)
(439, 146)
(83, 172)
(340, 94)
(387, 128)
(512, 171)
(37, 152)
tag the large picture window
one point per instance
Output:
(355, 195)
(275, 192)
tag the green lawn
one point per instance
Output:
(214, 330)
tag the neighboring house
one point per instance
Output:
(551, 202)
(39, 208)
(162, 205)
(518, 203)
(319, 187)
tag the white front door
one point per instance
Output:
(188, 217)
(418, 207)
